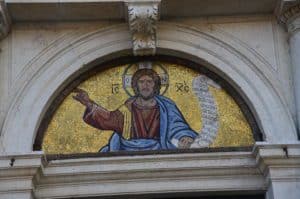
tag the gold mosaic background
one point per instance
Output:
(67, 133)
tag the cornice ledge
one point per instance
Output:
(5, 22)
(18, 172)
(278, 161)
(106, 176)
(18, 165)
(142, 18)
(159, 163)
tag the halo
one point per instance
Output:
(132, 68)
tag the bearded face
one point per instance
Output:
(145, 86)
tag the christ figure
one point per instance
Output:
(146, 121)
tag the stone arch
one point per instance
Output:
(48, 73)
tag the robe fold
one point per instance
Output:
(136, 129)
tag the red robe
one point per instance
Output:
(145, 120)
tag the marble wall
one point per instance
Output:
(250, 52)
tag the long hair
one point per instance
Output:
(149, 72)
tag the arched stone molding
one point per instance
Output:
(48, 73)
(288, 13)
(240, 65)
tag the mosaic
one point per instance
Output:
(146, 106)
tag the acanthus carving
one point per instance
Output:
(288, 12)
(142, 18)
(4, 20)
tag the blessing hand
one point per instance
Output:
(82, 97)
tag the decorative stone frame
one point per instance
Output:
(256, 133)
(26, 174)
(56, 67)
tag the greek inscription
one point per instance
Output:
(207, 101)
(208, 107)
(182, 87)
(209, 112)
(210, 117)
(208, 122)
(115, 88)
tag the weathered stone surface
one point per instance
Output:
(4, 20)
(250, 52)
(288, 13)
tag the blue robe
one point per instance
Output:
(172, 127)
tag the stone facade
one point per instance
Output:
(253, 45)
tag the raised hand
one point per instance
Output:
(82, 97)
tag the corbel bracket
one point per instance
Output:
(142, 18)
(5, 22)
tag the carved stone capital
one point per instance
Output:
(4, 20)
(294, 25)
(288, 13)
(142, 18)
